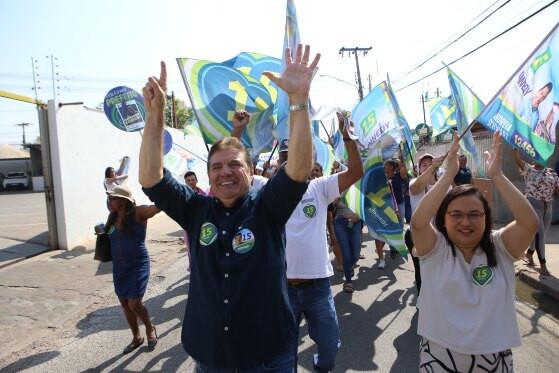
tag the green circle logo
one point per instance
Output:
(309, 211)
(243, 241)
(482, 275)
(208, 234)
(111, 229)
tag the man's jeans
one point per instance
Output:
(282, 363)
(314, 300)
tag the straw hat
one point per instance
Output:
(122, 191)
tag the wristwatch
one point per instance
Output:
(298, 107)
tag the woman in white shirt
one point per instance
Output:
(467, 319)
(427, 177)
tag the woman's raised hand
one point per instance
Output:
(452, 164)
(494, 157)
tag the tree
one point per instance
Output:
(184, 113)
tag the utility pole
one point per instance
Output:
(370, 84)
(423, 105)
(23, 125)
(355, 51)
(438, 92)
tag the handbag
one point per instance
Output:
(103, 248)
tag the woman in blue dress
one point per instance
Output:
(126, 227)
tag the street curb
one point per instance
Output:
(532, 279)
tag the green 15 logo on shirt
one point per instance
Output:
(208, 234)
(482, 275)
(309, 211)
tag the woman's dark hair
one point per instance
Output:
(128, 220)
(485, 243)
(108, 172)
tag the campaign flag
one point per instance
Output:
(468, 106)
(374, 117)
(191, 127)
(185, 153)
(407, 146)
(340, 152)
(526, 110)
(254, 64)
(323, 155)
(216, 91)
(291, 39)
(371, 199)
(379, 133)
(443, 114)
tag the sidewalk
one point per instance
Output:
(531, 275)
(41, 293)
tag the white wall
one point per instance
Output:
(83, 143)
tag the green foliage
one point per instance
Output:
(184, 113)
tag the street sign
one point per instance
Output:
(423, 130)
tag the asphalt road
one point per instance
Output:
(378, 323)
(23, 225)
(23, 216)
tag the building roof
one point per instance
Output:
(10, 152)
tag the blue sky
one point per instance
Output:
(103, 44)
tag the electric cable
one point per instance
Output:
(454, 41)
(480, 46)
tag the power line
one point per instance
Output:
(481, 46)
(455, 40)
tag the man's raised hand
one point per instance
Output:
(240, 119)
(155, 91)
(297, 76)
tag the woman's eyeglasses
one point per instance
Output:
(473, 216)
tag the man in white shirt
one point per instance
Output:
(308, 260)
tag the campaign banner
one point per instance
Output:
(217, 91)
(290, 39)
(254, 64)
(408, 145)
(467, 106)
(124, 107)
(375, 118)
(443, 114)
(185, 153)
(371, 199)
(526, 110)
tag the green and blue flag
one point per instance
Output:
(291, 39)
(467, 108)
(443, 114)
(379, 132)
(217, 90)
(526, 110)
(371, 199)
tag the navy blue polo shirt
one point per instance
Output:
(464, 176)
(237, 313)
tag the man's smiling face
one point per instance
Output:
(230, 176)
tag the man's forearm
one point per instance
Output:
(151, 150)
(354, 164)
(237, 133)
(300, 146)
